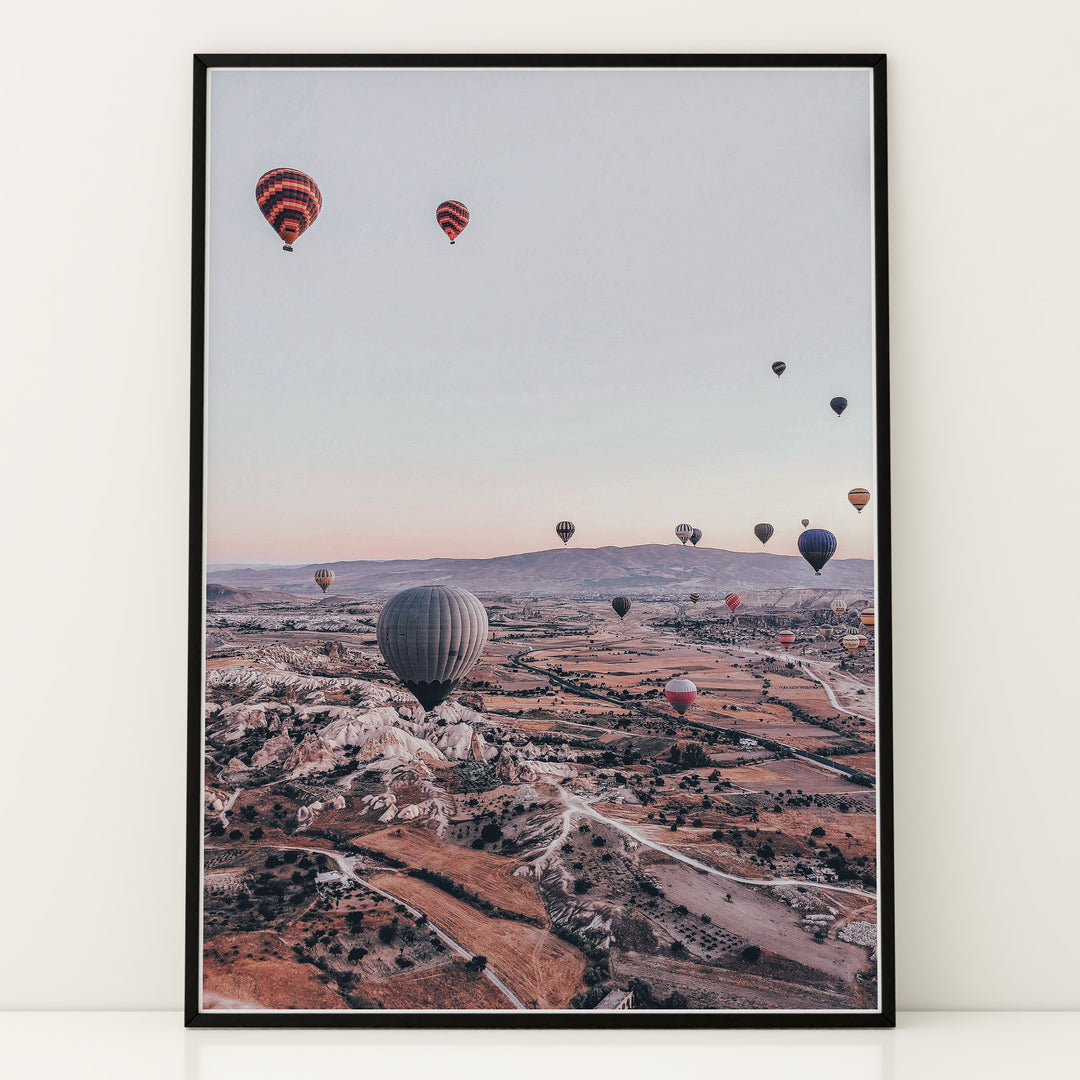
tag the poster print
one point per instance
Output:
(540, 542)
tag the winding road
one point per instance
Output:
(347, 871)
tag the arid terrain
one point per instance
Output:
(554, 830)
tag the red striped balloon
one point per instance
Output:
(452, 217)
(732, 600)
(290, 200)
(786, 638)
(681, 694)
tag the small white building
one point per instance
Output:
(617, 999)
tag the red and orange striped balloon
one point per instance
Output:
(452, 217)
(732, 600)
(290, 200)
(786, 638)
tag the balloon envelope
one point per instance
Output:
(564, 530)
(732, 600)
(684, 532)
(858, 497)
(839, 607)
(323, 578)
(695, 536)
(430, 637)
(805, 522)
(867, 618)
(826, 632)
(786, 638)
(779, 368)
(680, 693)
(764, 532)
(838, 405)
(621, 604)
(290, 200)
(817, 547)
(695, 597)
(452, 217)
(850, 642)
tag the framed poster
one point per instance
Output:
(540, 542)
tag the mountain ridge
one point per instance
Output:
(641, 570)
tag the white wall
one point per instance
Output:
(96, 178)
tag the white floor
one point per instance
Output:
(155, 1046)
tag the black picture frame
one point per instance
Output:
(885, 1016)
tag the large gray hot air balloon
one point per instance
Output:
(621, 604)
(763, 532)
(431, 636)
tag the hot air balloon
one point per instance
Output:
(564, 530)
(850, 642)
(867, 618)
(786, 638)
(779, 368)
(681, 694)
(452, 217)
(695, 597)
(290, 200)
(825, 632)
(324, 578)
(764, 532)
(431, 636)
(838, 405)
(805, 522)
(684, 532)
(862, 639)
(732, 600)
(858, 497)
(839, 607)
(817, 546)
(695, 536)
(621, 604)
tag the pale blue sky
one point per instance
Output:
(643, 245)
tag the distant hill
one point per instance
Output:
(222, 596)
(643, 571)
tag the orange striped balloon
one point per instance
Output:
(290, 200)
(452, 217)
(867, 618)
(786, 638)
(858, 497)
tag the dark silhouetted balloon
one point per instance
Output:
(290, 200)
(324, 578)
(805, 522)
(858, 497)
(695, 536)
(431, 636)
(684, 532)
(564, 530)
(779, 368)
(838, 405)
(681, 694)
(452, 217)
(764, 532)
(621, 604)
(817, 547)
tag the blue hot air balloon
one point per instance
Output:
(817, 547)
(838, 405)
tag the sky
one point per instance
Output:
(643, 244)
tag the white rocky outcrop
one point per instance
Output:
(311, 755)
(393, 742)
(275, 751)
